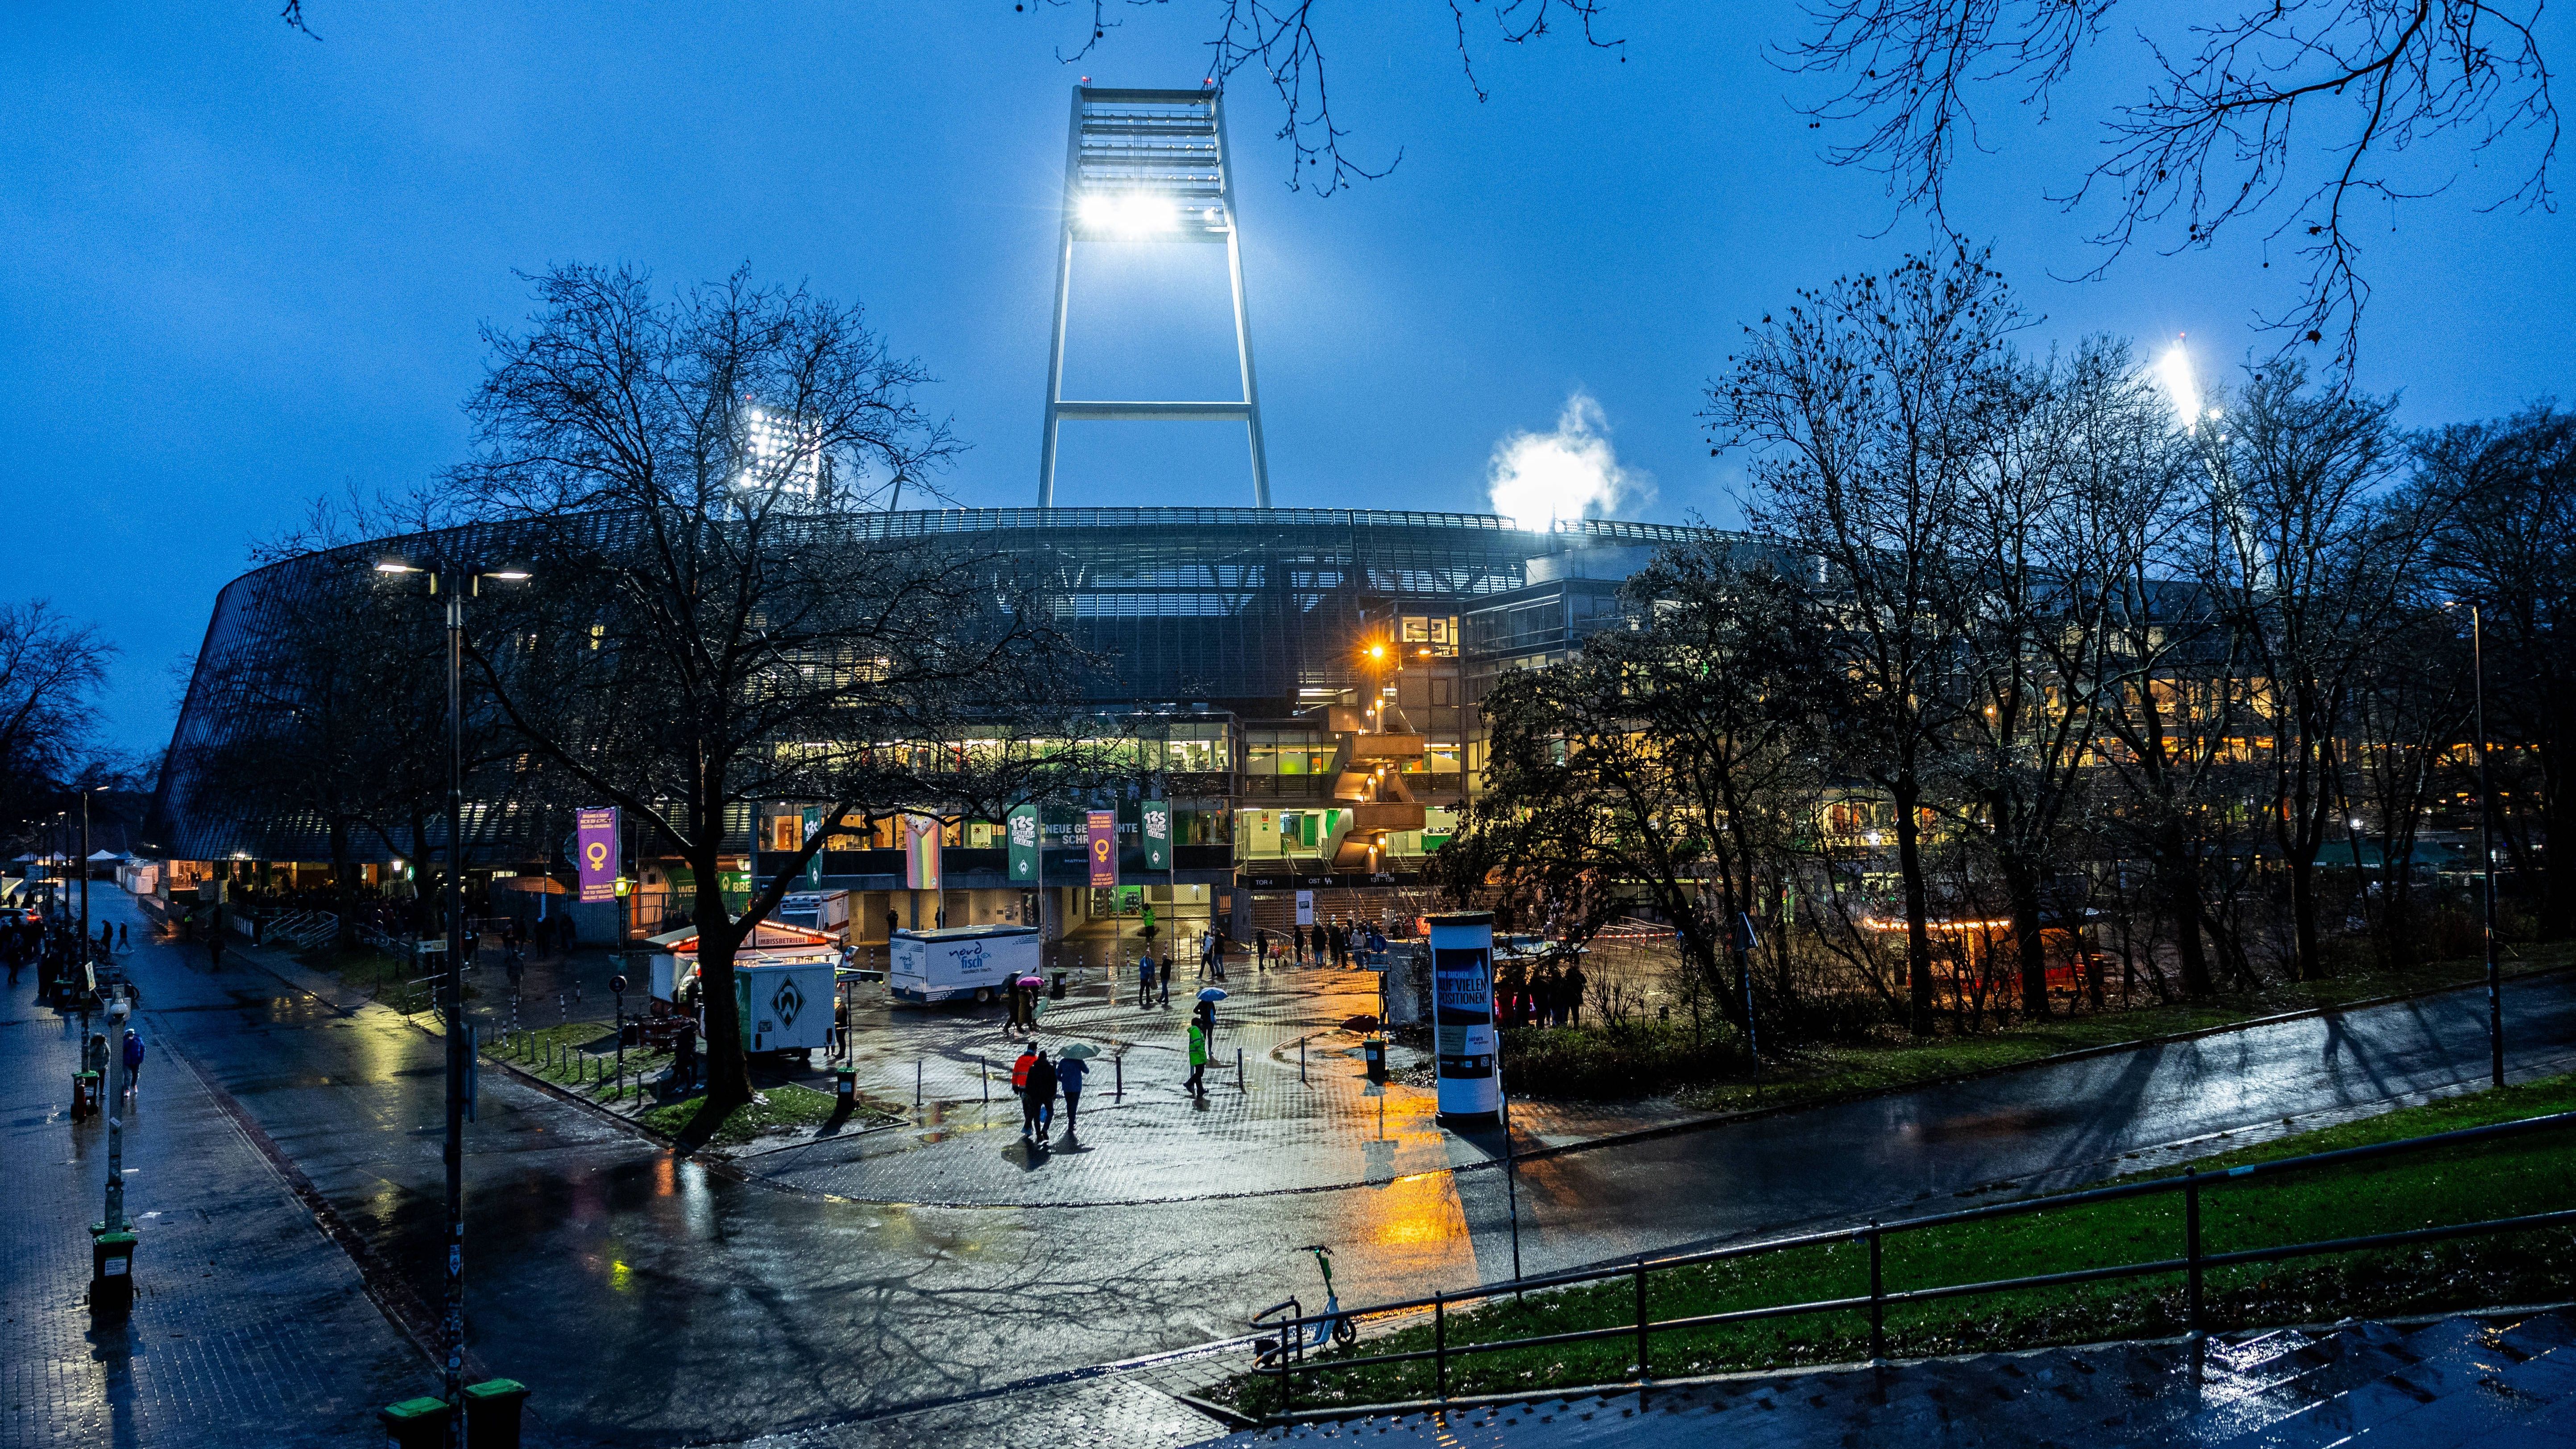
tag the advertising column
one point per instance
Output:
(1462, 1019)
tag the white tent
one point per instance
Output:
(104, 857)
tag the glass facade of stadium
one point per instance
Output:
(1237, 653)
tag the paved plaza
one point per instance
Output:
(828, 1289)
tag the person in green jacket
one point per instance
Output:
(1198, 1061)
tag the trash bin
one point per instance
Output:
(111, 1275)
(1055, 988)
(84, 1094)
(492, 1413)
(414, 1424)
(845, 1085)
(1373, 1052)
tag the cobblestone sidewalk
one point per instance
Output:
(250, 1327)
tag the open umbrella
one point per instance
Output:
(1079, 1050)
(1211, 993)
(1031, 982)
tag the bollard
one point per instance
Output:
(916, 1081)
(1238, 1070)
(1301, 1061)
(1118, 1075)
(986, 1075)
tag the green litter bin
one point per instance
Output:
(111, 1275)
(492, 1413)
(414, 1424)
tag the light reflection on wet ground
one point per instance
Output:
(650, 1300)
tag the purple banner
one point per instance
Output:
(1101, 843)
(595, 852)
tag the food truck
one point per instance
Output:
(784, 983)
(960, 961)
(824, 911)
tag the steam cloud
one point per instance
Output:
(1536, 479)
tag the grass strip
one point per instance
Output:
(2517, 1176)
(785, 1108)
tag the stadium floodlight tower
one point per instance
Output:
(1149, 166)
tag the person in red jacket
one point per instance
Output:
(1028, 1099)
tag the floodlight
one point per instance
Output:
(2181, 389)
(396, 566)
(1146, 165)
(513, 575)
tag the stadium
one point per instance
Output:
(1301, 682)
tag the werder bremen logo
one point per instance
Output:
(787, 1002)
(1024, 836)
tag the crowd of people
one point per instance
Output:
(1549, 996)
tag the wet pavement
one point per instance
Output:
(648, 1299)
(2458, 1382)
(249, 1326)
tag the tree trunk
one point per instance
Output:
(1918, 934)
(2303, 915)
(728, 1069)
(2556, 886)
(2182, 902)
(2021, 891)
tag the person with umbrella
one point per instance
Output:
(1071, 1067)
(1205, 1012)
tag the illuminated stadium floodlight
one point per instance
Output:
(777, 454)
(1152, 166)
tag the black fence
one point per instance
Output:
(1286, 1359)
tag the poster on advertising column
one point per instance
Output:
(594, 847)
(1462, 1017)
(921, 859)
(1022, 830)
(1100, 846)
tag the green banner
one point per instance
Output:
(1022, 828)
(1158, 834)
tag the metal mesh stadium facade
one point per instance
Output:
(1232, 638)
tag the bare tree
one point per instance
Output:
(1866, 410)
(2294, 111)
(51, 670)
(711, 622)
(2323, 556)
(2509, 540)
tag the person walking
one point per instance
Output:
(1207, 953)
(123, 941)
(515, 963)
(1069, 1073)
(1020, 1071)
(1197, 1084)
(1260, 953)
(1144, 981)
(133, 1061)
(1042, 1085)
(1574, 982)
(1166, 978)
(1205, 1015)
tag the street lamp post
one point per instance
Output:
(460, 1059)
(2486, 846)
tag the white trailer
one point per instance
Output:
(960, 962)
(785, 1006)
(825, 911)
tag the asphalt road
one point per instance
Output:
(648, 1300)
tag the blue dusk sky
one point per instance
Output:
(244, 267)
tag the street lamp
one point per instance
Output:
(2486, 838)
(460, 1061)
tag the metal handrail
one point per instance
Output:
(2195, 1263)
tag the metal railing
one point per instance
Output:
(1285, 1358)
